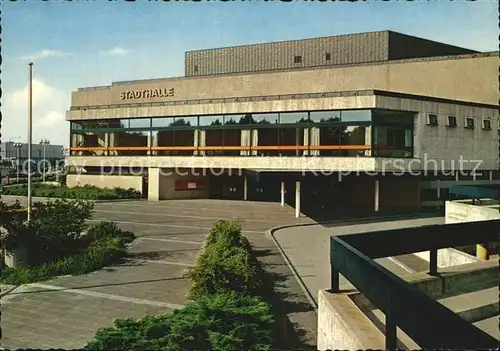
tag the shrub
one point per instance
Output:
(225, 264)
(54, 231)
(107, 230)
(86, 192)
(212, 322)
(104, 248)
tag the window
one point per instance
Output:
(144, 123)
(469, 123)
(293, 117)
(196, 69)
(327, 56)
(452, 121)
(487, 124)
(325, 116)
(432, 119)
(297, 59)
(356, 116)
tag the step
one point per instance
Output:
(474, 306)
(490, 326)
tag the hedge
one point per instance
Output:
(226, 263)
(86, 192)
(211, 322)
(225, 311)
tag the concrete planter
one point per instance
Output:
(15, 258)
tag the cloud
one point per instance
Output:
(44, 54)
(49, 107)
(115, 51)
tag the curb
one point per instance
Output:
(8, 290)
(306, 291)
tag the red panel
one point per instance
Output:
(190, 184)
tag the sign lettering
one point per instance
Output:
(147, 94)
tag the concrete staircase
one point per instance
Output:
(474, 297)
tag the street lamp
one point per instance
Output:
(18, 156)
(30, 137)
(44, 142)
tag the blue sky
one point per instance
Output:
(77, 44)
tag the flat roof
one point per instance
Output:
(312, 68)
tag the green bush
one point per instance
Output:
(110, 230)
(86, 192)
(225, 264)
(54, 231)
(212, 322)
(104, 249)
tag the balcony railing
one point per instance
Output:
(425, 320)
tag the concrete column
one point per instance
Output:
(196, 141)
(297, 199)
(368, 139)
(282, 193)
(491, 175)
(245, 188)
(306, 140)
(456, 176)
(150, 142)
(482, 252)
(377, 194)
(153, 184)
(255, 141)
(438, 189)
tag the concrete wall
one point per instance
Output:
(161, 185)
(343, 326)
(443, 146)
(347, 164)
(107, 181)
(449, 257)
(457, 212)
(342, 49)
(438, 77)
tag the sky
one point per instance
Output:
(86, 43)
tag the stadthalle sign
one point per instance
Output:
(146, 93)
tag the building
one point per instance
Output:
(14, 151)
(355, 124)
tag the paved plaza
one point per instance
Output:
(66, 312)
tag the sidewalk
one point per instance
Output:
(308, 248)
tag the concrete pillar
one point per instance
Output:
(245, 188)
(456, 176)
(153, 184)
(297, 199)
(438, 189)
(282, 193)
(306, 140)
(491, 175)
(377, 194)
(482, 252)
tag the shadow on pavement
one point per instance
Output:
(286, 298)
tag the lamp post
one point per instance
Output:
(18, 156)
(44, 142)
(30, 119)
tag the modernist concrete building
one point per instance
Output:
(345, 124)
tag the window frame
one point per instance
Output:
(429, 120)
(484, 124)
(467, 126)
(454, 124)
